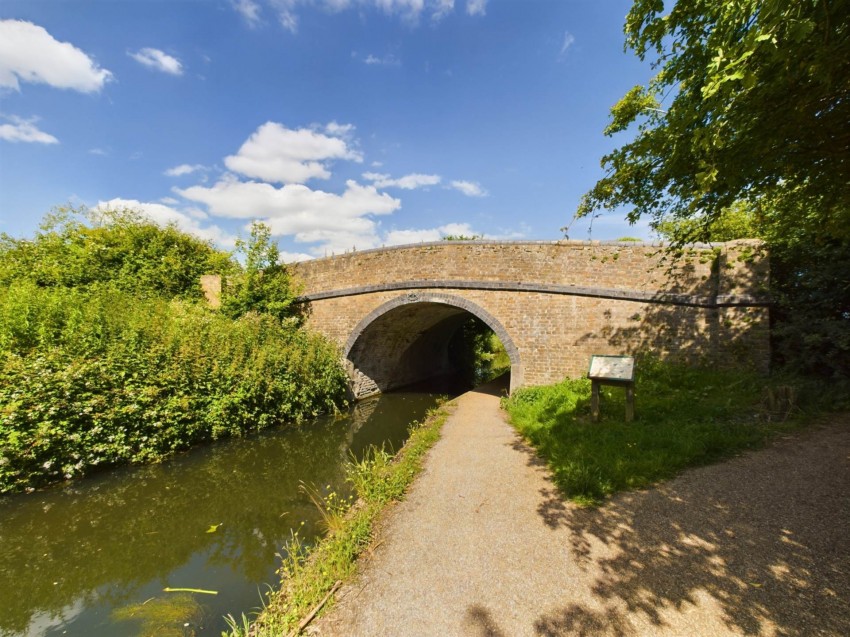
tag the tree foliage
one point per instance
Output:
(751, 101)
(738, 221)
(263, 285)
(743, 132)
(477, 353)
(121, 248)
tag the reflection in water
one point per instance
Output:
(71, 558)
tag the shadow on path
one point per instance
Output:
(497, 387)
(479, 620)
(766, 535)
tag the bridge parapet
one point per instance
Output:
(604, 265)
(559, 302)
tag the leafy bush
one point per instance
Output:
(263, 284)
(106, 359)
(121, 248)
(97, 377)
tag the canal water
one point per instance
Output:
(92, 557)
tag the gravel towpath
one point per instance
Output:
(484, 546)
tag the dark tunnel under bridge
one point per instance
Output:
(409, 340)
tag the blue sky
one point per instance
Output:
(341, 123)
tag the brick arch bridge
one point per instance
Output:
(394, 311)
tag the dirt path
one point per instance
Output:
(483, 546)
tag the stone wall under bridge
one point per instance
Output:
(393, 311)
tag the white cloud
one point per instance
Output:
(25, 130)
(400, 237)
(164, 215)
(442, 9)
(184, 169)
(171, 201)
(195, 213)
(289, 21)
(293, 257)
(335, 129)
(98, 151)
(457, 229)
(569, 39)
(388, 60)
(28, 53)
(249, 10)
(408, 182)
(609, 227)
(360, 236)
(365, 235)
(337, 222)
(275, 155)
(469, 188)
(336, 5)
(286, 12)
(505, 234)
(278, 154)
(290, 208)
(266, 183)
(476, 7)
(158, 60)
(409, 11)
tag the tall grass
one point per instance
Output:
(309, 573)
(97, 376)
(686, 417)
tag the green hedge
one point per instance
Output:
(98, 376)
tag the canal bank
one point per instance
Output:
(485, 545)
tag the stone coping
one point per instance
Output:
(667, 298)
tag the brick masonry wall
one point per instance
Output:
(616, 265)
(596, 302)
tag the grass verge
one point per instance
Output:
(685, 417)
(309, 574)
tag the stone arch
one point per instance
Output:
(387, 347)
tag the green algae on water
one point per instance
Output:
(170, 616)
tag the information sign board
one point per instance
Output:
(620, 368)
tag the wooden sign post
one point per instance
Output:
(612, 370)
